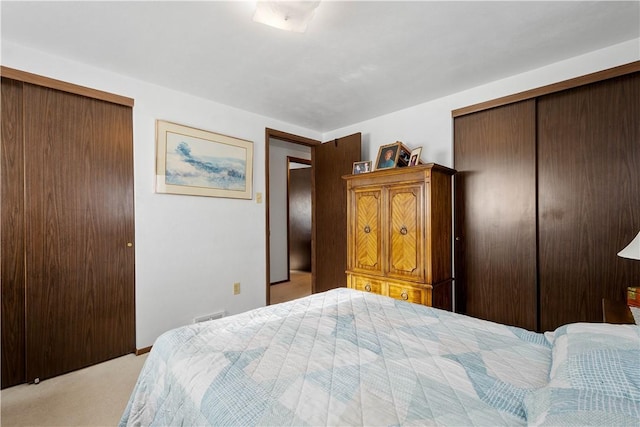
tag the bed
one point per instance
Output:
(346, 357)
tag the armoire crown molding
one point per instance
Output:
(50, 83)
(554, 87)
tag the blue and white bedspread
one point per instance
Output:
(342, 357)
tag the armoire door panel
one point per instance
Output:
(368, 250)
(589, 197)
(406, 235)
(13, 248)
(79, 207)
(495, 219)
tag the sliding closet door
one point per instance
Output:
(589, 197)
(495, 214)
(79, 233)
(13, 275)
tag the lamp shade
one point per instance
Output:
(632, 250)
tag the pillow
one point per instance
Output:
(553, 406)
(597, 356)
(594, 377)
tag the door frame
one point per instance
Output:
(294, 139)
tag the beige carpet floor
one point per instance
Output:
(298, 286)
(94, 396)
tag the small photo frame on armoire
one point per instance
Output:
(388, 156)
(361, 167)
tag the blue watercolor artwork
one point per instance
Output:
(196, 162)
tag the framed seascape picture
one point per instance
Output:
(388, 156)
(201, 163)
(361, 167)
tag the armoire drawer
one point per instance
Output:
(405, 292)
(368, 285)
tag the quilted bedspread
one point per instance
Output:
(342, 357)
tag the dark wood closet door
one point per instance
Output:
(589, 197)
(331, 160)
(79, 234)
(495, 214)
(13, 285)
(299, 209)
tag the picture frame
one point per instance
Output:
(388, 156)
(404, 157)
(414, 158)
(361, 167)
(198, 162)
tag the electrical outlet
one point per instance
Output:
(236, 288)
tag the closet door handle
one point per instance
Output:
(403, 230)
(367, 229)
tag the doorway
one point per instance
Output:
(330, 161)
(290, 219)
(299, 214)
(299, 220)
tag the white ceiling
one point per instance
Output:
(357, 60)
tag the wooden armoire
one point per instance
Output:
(547, 192)
(399, 233)
(67, 227)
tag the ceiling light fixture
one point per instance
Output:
(285, 15)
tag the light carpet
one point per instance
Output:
(94, 396)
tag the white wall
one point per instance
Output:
(430, 124)
(190, 250)
(278, 220)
